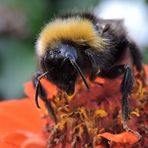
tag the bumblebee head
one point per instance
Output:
(61, 72)
(61, 50)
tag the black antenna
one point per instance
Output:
(37, 88)
(75, 65)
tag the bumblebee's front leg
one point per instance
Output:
(126, 86)
(126, 90)
(42, 93)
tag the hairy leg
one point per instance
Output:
(42, 93)
(126, 85)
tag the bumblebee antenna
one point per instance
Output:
(37, 88)
(76, 66)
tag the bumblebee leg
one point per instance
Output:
(76, 66)
(95, 67)
(42, 93)
(126, 90)
(126, 85)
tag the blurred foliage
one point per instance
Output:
(17, 49)
(146, 55)
(17, 53)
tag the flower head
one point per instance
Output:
(86, 119)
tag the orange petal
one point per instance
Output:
(125, 137)
(50, 88)
(12, 139)
(22, 139)
(34, 143)
(99, 80)
(20, 115)
(146, 70)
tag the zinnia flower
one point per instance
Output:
(86, 119)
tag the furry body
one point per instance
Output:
(80, 44)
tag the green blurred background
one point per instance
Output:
(20, 24)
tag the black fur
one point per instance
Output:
(85, 15)
(69, 60)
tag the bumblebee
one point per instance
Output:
(83, 45)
